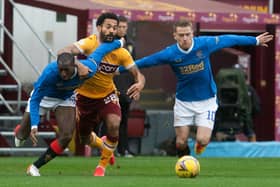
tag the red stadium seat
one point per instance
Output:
(136, 123)
(136, 126)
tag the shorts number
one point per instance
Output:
(111, 98)
(211, 115)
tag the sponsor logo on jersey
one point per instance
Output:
(107, 68)
(192, 68)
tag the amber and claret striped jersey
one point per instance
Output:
(102, 84)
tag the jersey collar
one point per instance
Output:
(184, 51)
(75, 73)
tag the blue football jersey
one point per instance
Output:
(195, 81)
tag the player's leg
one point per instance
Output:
(182, 133)
(32, 170)
(204, 121)
(111, 113)
(109, 144)
(95, 141)
(22, 130)
(203, 136)
(66, 120)
(65, 117)
(183, 119)
(87, 111)
(87, 120)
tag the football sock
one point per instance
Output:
(56, 147)
(20, 133)
(95, 141)
(107, 151)
(44, 158)
(72, 144)
(53, 150)
(199, 148)
(16, 131)
(182, 150)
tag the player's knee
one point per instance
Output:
(181, 143)
(113, 130)
(203, 140)
(113, 122)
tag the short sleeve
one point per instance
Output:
(87, 45)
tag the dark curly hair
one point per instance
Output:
(106, 15)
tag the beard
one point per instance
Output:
(107, 38)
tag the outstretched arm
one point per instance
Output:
(158, 58)
(215, 43)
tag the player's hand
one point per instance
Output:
(33, 136)
(83, 70)
(134, 91)
(264, 38)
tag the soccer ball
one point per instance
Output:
(187, 167)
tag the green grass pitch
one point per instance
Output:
(142, 171)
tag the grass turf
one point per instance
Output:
(142, 172)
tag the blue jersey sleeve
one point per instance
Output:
(95, 58)
(91, 65)
(215, 43)
(41, 88)
(104, 49)
(155, 59)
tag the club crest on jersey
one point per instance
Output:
(107, 68)
(199, 54)
(178, 60)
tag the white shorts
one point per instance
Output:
(50, 103)
(197, 113)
